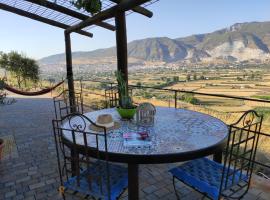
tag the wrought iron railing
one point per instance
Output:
(175, 100)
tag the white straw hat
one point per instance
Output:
(106, 121)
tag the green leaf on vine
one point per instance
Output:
(91, 6)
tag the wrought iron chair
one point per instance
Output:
(62, 106)
(112, 96)
(231, 179)
(93, 175)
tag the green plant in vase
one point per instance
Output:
(126, 109)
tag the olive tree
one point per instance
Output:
(20, 66)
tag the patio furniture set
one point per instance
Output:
(94, 148)
(99, 152)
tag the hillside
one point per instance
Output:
(239, 42)
(243, 41)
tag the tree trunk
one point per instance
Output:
(19, 81)
(24, 83)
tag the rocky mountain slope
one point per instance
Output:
(239, 42)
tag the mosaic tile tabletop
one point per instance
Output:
(174, 131)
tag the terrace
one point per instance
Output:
(29, 165)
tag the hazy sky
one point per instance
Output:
(172, 18)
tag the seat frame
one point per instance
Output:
(112, 97)
(238, 162)
(71, 162)
(63, 107)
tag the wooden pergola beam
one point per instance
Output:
(138, 9)
(69, 12)
(40, 19)
(106, 14)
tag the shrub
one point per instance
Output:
(189, 98)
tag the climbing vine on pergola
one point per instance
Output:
(91, 6)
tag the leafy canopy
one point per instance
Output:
(91, 6)
(20, 66)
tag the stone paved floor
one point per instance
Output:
(33, 174)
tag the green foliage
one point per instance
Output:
(239, 78)
(103, 85)
(261, 97)
(189, 98)
(176, 79)
(202, 77)
(168, 80)
(147, 95)
(188, 78)
(91, 6)
(139, 84)
(3, 95)
(164, 78)
(20, 66)
(265, 112)
(2, 81)
(122, 86)
(126, 101)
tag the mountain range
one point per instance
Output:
(239, 42)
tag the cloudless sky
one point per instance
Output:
(172, 18)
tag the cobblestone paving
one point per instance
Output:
(33, 174)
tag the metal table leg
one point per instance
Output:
(133, 182)
(218, 156)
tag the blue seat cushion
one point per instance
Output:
(205, 175)
(93, 181)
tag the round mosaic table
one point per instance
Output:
(177, 135)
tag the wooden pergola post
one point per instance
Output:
(121, 47)
(122, 66)
(121, 44)
(70, 79)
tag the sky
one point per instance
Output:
(172, 18)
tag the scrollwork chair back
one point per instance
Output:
(82, 156)
(63, 107)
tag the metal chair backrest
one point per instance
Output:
(62, 105)
(240, 155)
(78, 148)
(112, 96)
